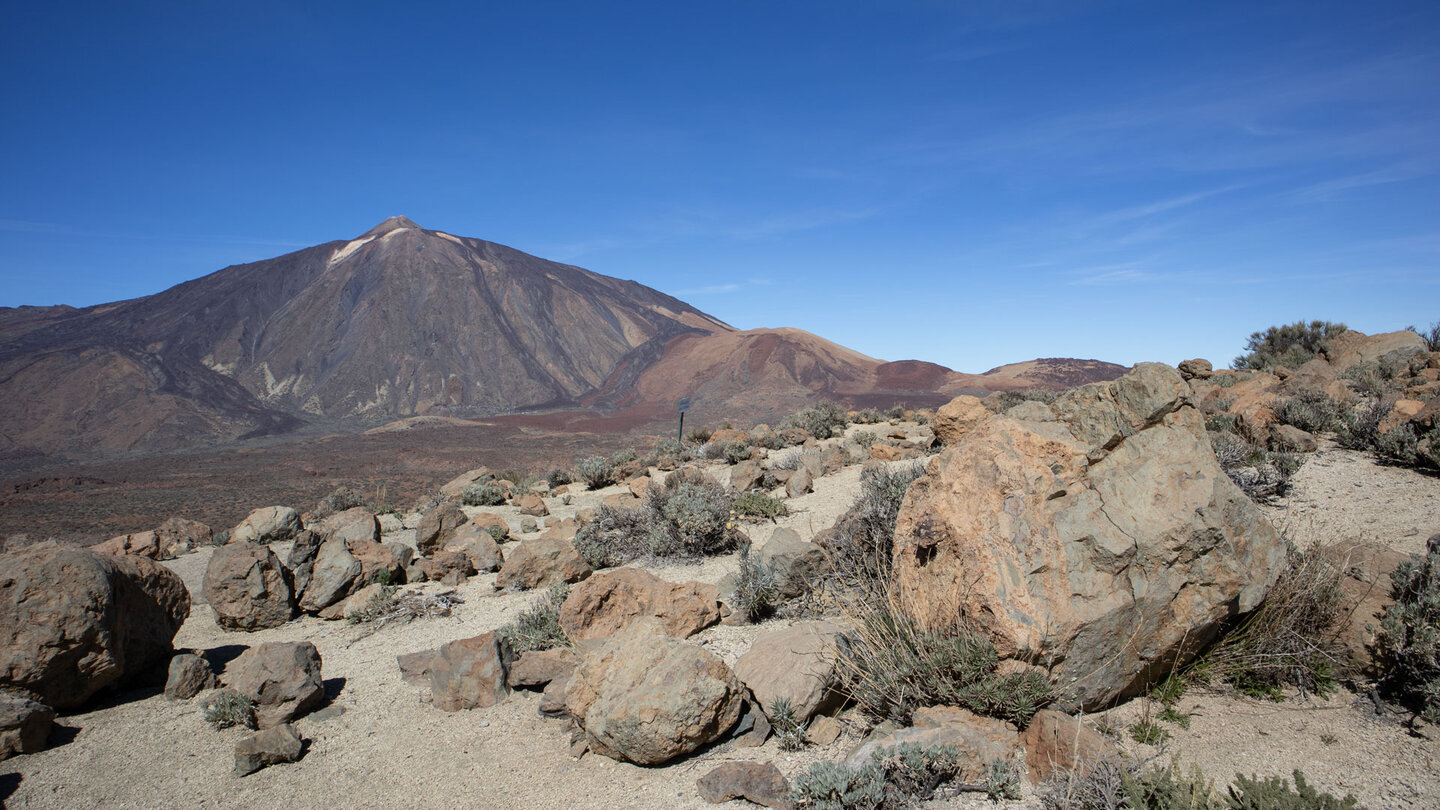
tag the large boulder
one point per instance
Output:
(24, 724)
(1351, 348)
(140, 544)
(281, 677)
(73, 622)
(179, 535)
(355, 525)
(1098, 537)
(437, 525)
(268, 524)
(470, 673)
(247, 588)
(611, 600)
(542, 562)
(645, 697)
(955, 418)
(796, 663)
(332, 576)
(455, 487)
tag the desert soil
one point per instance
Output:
(379, 742)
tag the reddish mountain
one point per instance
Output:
(404, 322)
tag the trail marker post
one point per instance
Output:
(682, 407)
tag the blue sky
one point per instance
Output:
(971, 183)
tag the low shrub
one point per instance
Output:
(595, 471)
(1365, 379)
(862, 540)
(1292, 345)
(672, 448)
(868, 416)
(1006, 400)
(735, 452)
(378, 605)
(1409, 640)
(894, 778)
(538, 626)
(1261, 474)
(757, 588)
(865, 438)
(1290, 639)
(788, 729)
(1311, 411)
(624, 457)
(689, 516)
(897, 412)
(558, 477)
(338, 501)
(822, 421)
(486, 494)
(759, 505)
(1431, 336)
(617, 536)
(699, 435)
(229, 708)
(892, 666)
(1253, 793)
(1359, 427)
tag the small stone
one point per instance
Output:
(758, 782)
(189, 676)
(269, 747)
(823, 730)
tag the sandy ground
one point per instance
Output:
(380, 743)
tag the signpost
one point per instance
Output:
(683, 407)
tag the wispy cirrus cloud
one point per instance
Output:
(726, 287)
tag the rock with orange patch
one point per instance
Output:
(955, 418)
(533, 505)
(141, 544)
(609, 601)
(1100, 536)
(638, 485)
(1401, 412)
(729, 436)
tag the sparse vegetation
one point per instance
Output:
(757, 589)
(229, 708)
(1292, 345)
(486, 494)
(1006, 400)
(868, 416)
(538, 626)
(1276, 793)
(1311, 411)
(624, 456)
(689, 516)
(595, 471)
(865, 438)
(403, 608)
(788, 729)
(892, 666)
(699, 435)
(1261, 474)
(557, 477)
(822, 421)
(894, 778)
(1148, 732)
(1409, 641)
(1290, 640)
(1431, 336)
(735, 452)
(760, 505)
(865, 536)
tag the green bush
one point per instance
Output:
(822, 421)
(1365, 379)
(538, 626)
(1292, 345)
(624, 457)
(1409, 641)
(892, 666)
(1253, 793)
(1311, 411)
(836, 786)
(865, 438)
(557, 477)
(897, 412)
(788, 729)
(595, 471)
(672, 448)
(759, 505)
(341, 499)
(689, 516)
(757, 587)
(229, 708)
(487, 494)
(868, 416)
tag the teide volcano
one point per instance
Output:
(403, 322)
(398, 322)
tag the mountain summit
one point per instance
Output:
(396, 322)
(402, 321)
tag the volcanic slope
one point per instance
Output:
(397, 322)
